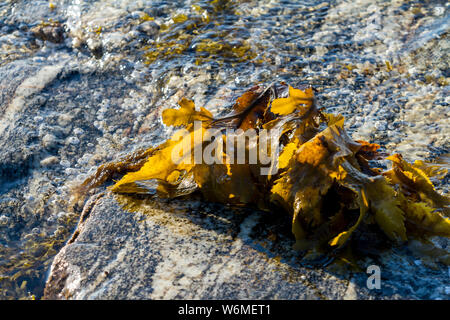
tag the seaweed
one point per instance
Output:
(325, 180)
(191, 34)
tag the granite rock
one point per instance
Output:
(186, 249)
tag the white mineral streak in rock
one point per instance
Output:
(350, 293)
(26, 89)
(96, 288)
(178, 270)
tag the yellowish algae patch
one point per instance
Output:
(185, 34)
(17, 274)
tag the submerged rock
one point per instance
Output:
(171, 254)
(53, 32)
(184, 249)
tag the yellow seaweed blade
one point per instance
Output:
(426, 218)
(412, 172)
(388, 215)
(296, 98)
(332, 119)
(414, 178)
(343, 237)
(161, 164)
(430, 169)
(301, 189)
(227, 183)
(287, 153)
(185, 115)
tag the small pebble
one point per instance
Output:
(49, 141)
(4, 220)
(64, 119)
(73, 140)
(64, 163)
(78, 131)
(49, 161)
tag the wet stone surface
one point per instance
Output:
(184, 249)
(84, 82)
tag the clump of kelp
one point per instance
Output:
(325, 180)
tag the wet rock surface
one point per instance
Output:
(84, 82)
(186, 249)
(169, 254)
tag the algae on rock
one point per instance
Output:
(317, 162)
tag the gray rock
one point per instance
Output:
(150, 28)
(50, 141)
(184, 249)
(168, 254)
(53, 33)
(40, 104)
(49, 161)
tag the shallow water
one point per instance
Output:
(67, 107)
